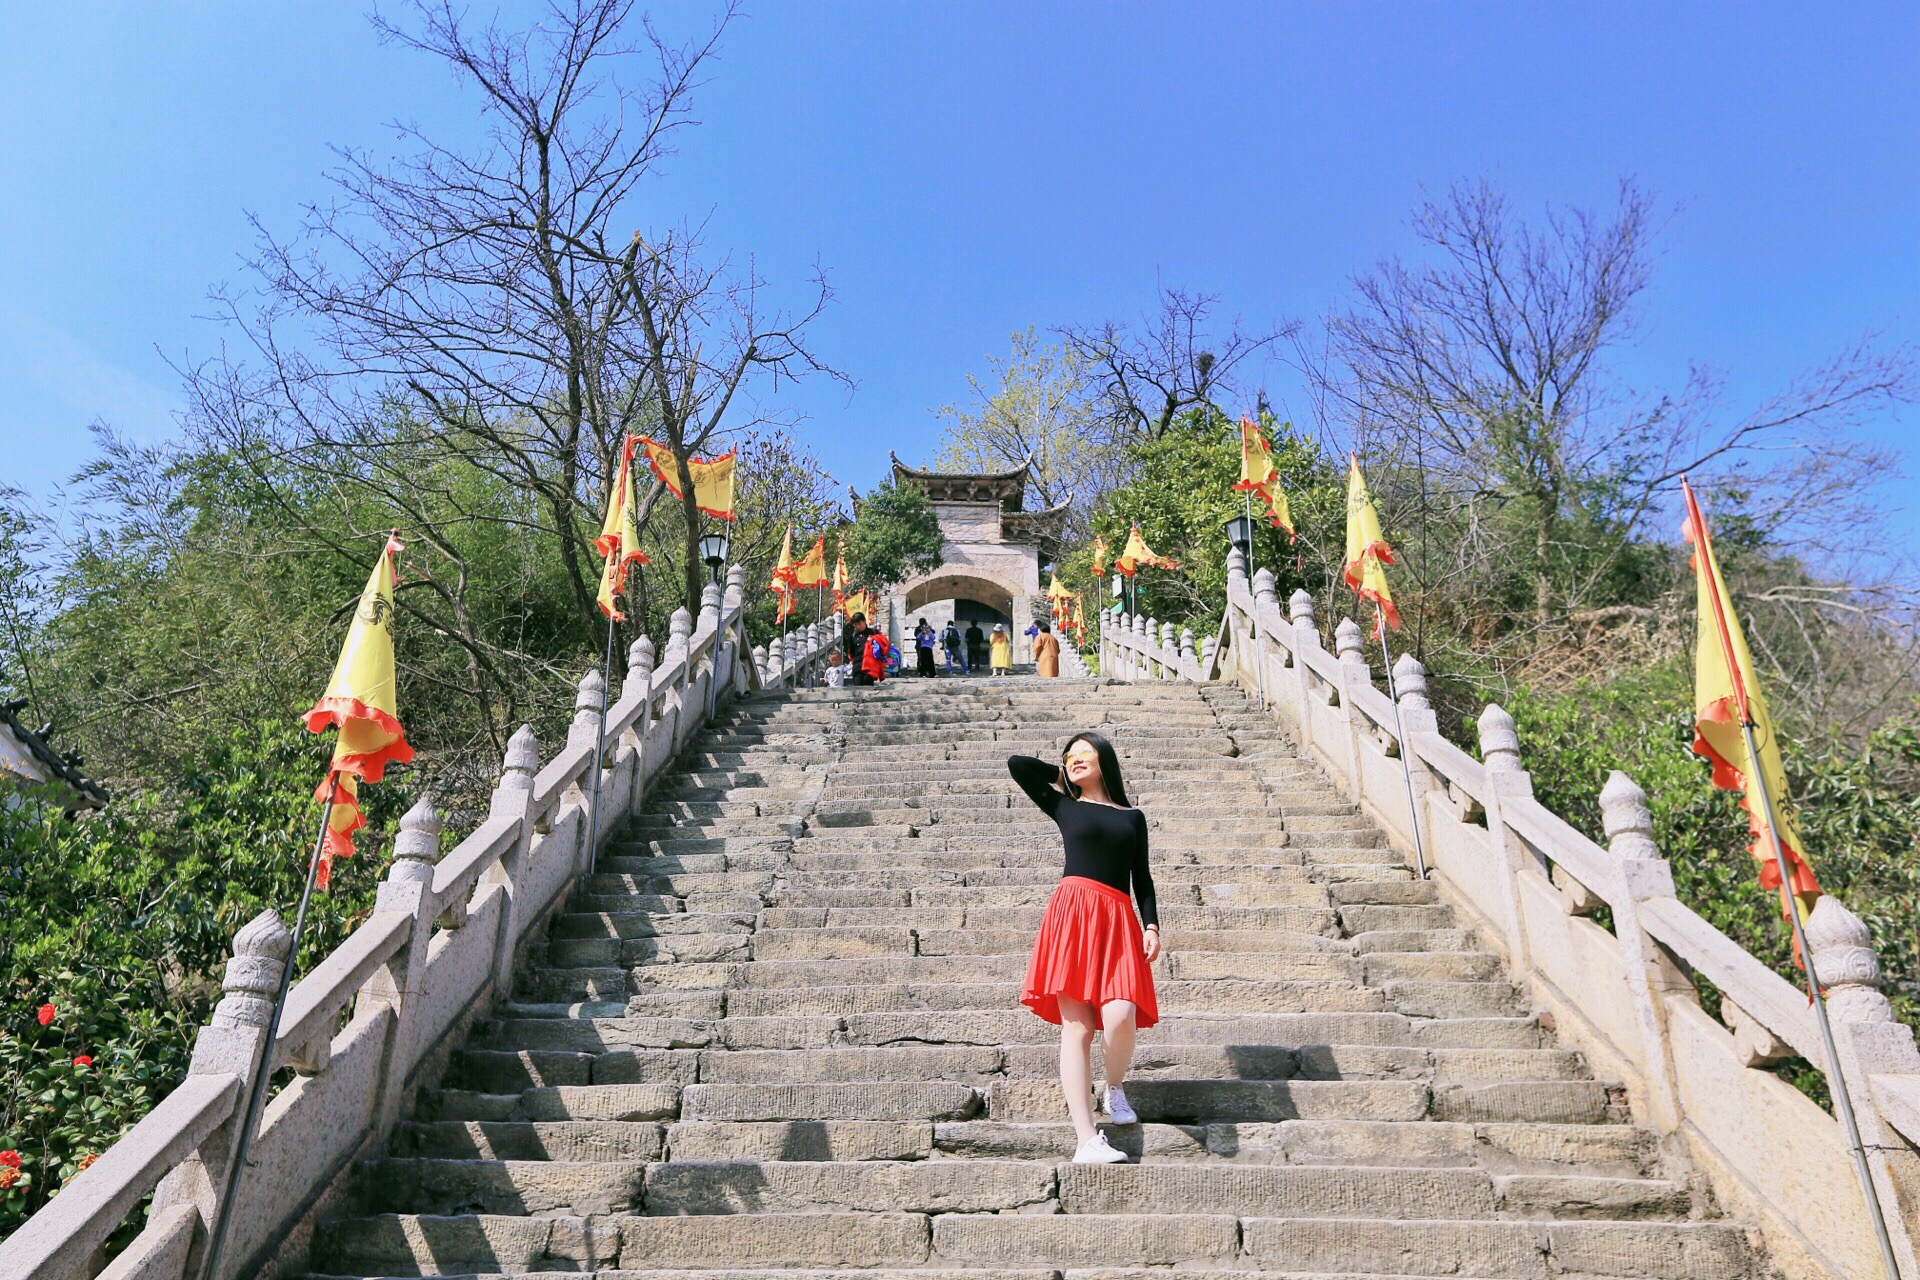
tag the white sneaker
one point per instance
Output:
(1118, 1107)
(1096, 1151)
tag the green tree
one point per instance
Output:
(894, 536)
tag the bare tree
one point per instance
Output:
(490, 311)
(1173, 361)
(1036, 406)
(699, 336)
(1485, 372)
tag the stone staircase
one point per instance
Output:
(777, 1036)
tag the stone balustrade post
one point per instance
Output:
(408, 889)
(1188, 658)
(1349, 645)
(1870, 1042)
(1306, 639)
(776, 666)
(512, 798)
(1256, 660)
(1416, 717)
(1506, 779)
(736, 587)
(1652, 977)
(680, 646)
(1207, 647)
(639, 666)
(589, 705)
(679, 633)
(761, 667)
(230, 1044)
(639, 680)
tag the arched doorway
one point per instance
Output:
(968, 600)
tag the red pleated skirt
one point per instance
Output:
(1090, 948)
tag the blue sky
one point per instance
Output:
(963, 171)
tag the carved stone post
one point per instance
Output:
(736, 586)
(1416, 716)
(679, 646)
(762, 665)
(588, 705)
(228, 1045)
(679, 633)
(1188, 658)
(1500, 750)
(1350, 647)
(408, 889)
(776, 665)
(1306, 639)
(639, 667)
(639, 682)
(1652, 977)
(1253, 659)
(512, 798)
(1207, 647)
(1870, 1043)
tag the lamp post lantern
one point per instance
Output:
(1240, 534)
(713, 549)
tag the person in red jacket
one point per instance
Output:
(873, 655)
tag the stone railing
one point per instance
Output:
(1624, 995)
(1072, 664)
(377, 1018)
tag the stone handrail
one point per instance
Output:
(375, 1019)
(1528, 882)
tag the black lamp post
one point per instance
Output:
(713, 549)
(1240, 534)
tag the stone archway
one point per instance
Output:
(961, 586)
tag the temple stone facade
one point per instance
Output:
(992, 550)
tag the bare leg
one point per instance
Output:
(1118, 1016)
(1076, 1067)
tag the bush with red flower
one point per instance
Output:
(114, 930)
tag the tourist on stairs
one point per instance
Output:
(1001, 647)
(1091, 963)
(1046, 652)
(956, 648)
(923, 646)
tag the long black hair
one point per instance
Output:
(1109, 768)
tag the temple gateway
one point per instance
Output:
(991, 550)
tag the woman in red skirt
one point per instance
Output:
(1090, 969)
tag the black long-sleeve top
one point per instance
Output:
(1104, 842)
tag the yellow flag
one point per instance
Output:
(1055, 591)
(1258, 476)
(860, 602)
(1367, 550)
(362, 702)
(782, 581)
(1136, 553)
(619, 539)
(812, 570)
(712, 478)
(1726, 694)
(840, 577)
(1099, 556)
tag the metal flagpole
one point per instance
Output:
(1842, 1099)
(1406, 767)
(600, 754)
(263, 1065)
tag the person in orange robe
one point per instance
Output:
(1046, 652)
